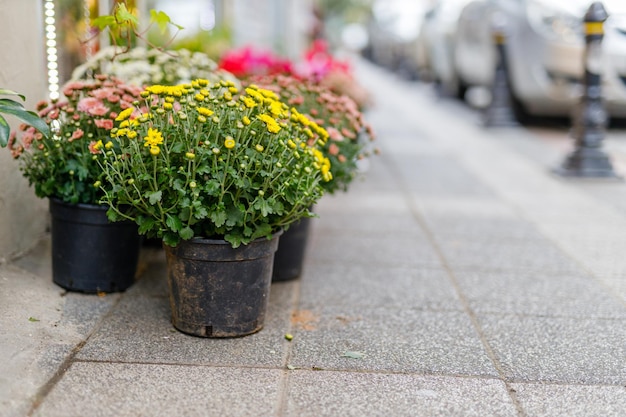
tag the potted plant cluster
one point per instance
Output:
(217, 174)
(89, 253)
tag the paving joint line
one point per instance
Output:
(283, 395)
(462, 298)
(49, 385)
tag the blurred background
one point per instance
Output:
(447, 44)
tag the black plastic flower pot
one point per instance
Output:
(289, 258)
(89, 253)
(217, 290)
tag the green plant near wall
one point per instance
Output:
(14, 108)
(123, 27)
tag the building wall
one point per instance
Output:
(282, 26)
(23, 217)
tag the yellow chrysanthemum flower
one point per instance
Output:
(248, 102)
(268, 94)
(229, 143)
(276, 108)
(124, 114)
(205, 112)
(270, 123)
(153, 139)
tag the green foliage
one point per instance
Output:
(208, 160)
(123, 25)
(16, 109)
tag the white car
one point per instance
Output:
(393, 31)
(435, 46)
(544, 52)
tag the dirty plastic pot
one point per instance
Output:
(217, 290)
(90, 253)
(289, 257)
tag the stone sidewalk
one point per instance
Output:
(457, 278)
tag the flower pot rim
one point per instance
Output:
(87, 206)
(214, 241)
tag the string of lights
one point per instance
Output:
(51, 49)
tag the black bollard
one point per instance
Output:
(500, 112)
(589, 122)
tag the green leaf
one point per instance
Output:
(162, 20)
(171, 239)
(102, 22)
(186, 233)
(200, 213)
(33, 319)
(173, 223)
(145, 224)
(219, 217)
(178, 184)
(12, 107)
(125, 17)
(5, 92)
(5, 132)
(264, 206)
(262, 230)
(235, 239)
(235, 216)
(154, 197)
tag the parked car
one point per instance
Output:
(435, 46)
(544, 52)
(392, 32)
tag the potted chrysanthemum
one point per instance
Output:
(89, 253)
(217, 173)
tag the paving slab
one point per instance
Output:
(320, 393)
(539, 294)
(114, 390)
(374, 249)
(391, 340)
(437, 175)
(513, 254)
(354, 285)
(548, 400)
(40, 326)
(556, 349)
(140, 331)
(381, 224)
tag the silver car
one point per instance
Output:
(544, 52)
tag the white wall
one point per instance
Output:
(23, 217)
(278, 25)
